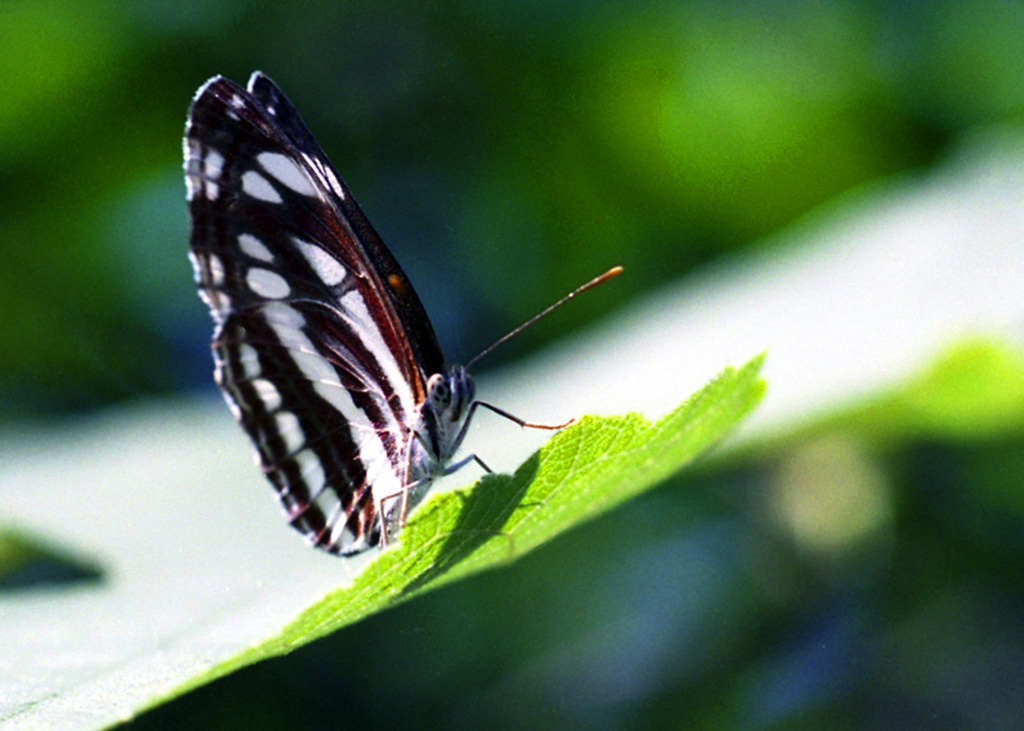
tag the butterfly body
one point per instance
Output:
(322, 348)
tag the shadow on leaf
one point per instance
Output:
(27, 564)
(486, 509)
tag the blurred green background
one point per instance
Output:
(506, 152)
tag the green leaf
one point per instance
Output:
(582, 472)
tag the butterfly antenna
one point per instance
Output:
(614, 271)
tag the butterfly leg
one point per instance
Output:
(500, 412)
(403, 495)
(403, 511)
(480, 462)
(465, 461)
(516, 419)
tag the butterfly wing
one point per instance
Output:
(321, 345)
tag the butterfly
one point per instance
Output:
(322, 349)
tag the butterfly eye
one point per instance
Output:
(438, 391)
